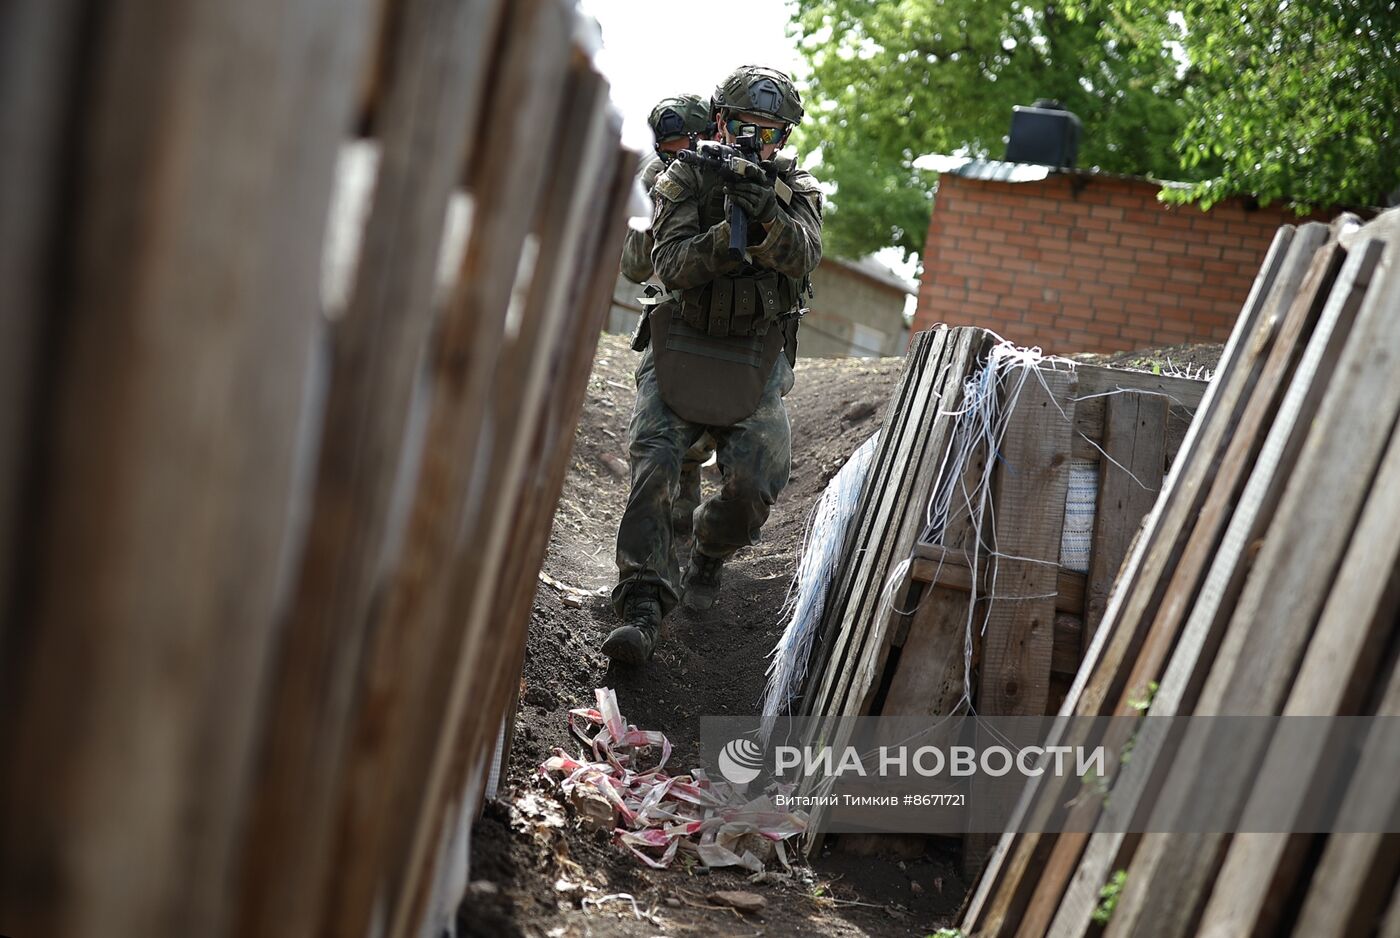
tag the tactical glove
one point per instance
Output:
(758, 201)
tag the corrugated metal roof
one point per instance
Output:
(1001, 171)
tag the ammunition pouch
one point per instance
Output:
(739, 306)
(709, 379)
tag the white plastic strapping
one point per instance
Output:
(822, 547)
(990, 395)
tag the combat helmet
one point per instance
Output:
(760, 90)
(685, 115)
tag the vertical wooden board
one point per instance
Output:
(968, 351)
(911, 487)
(572, 365)
(1194, 647)
(1276, 612)
(413, 652)
(1029, 504)
(1336, 673)
(1130, 477)
(906, 519)
(835, 635)
(830, 703)
(1349, 886)
(168, 484)
(929, 678)
(1001, 891)
(1029, 507)
(1217, 517)
(437, 74)
(38, 68)
(848, 626)
(566, 234)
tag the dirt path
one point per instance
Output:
(528, 859)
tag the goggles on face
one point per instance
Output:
(766, 135)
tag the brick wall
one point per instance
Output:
(1106, 269)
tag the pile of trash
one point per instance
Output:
(658, 816)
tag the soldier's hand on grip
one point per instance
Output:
(758, 201)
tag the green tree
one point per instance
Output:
(892, 81)
(1288, 100)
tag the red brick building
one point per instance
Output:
(1079, 261)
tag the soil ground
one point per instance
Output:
(532, 865)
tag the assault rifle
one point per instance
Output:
(736, 163)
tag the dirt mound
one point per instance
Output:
(707, 663)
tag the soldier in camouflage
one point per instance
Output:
(677, 123)
(719, 355)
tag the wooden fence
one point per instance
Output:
(266, 563)
(1266, 582)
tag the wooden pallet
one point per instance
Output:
(902, 653)
(1265, 583)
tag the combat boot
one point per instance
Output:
(702, 580)
(632, 642)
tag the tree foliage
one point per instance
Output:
(892, 81)
(1292, 101)
(1277, 100)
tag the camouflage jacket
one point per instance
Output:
(692, 234)
(636, 249)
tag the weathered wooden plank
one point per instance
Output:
(566, 240)
(1279, 605)
(1200, 560)
(169, 460)
(1029, 507)
(907, 522)
(965, 348)
(39, 66)
(1390, 925)
(376, 347)
(832, 642)
(950, 351)
(573, 362)
(1095, 380)
(936, 565)
(1001, 892)
(930, 669)
(849, 628)
(1335, 677)
(413, 634)
(1180, 685)
(1098, 385)
(1130, 476)
(1348, 887)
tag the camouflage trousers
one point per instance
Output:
(688, 493)
(754, 457)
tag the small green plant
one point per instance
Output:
(1108, 897)
(1144, 703)
(948, 933)
(1141, 705)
